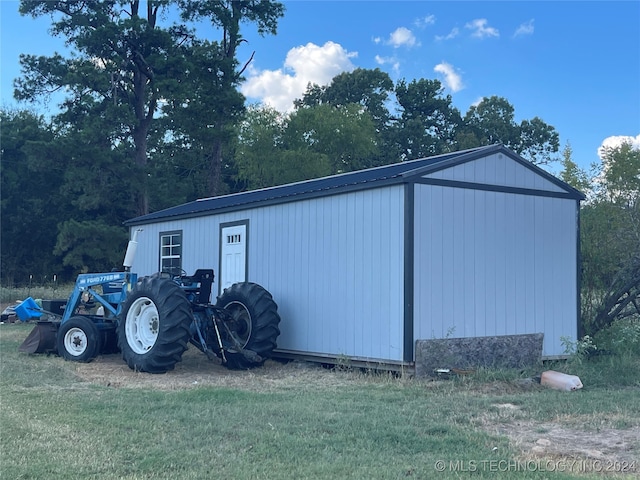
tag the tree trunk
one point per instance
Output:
(140, 157)
(140, 132)
(214, 178)
(144, 108)
(622, 298)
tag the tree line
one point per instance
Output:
(152, 116)
(68, 188)
(609, 236)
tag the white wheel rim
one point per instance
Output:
(75, 341)
(142, 325)
(242, 317)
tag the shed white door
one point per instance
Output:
(233, 258)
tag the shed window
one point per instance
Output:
(234, 239)
(171, 252)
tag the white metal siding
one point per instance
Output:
(333, 264)
(497, 169)
(492, 263)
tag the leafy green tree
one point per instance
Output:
(493, 121)
(98, 191)
(119, 67)
(620, 175)
(263, 160)
(275, 148)
(178, 169)
(30, 202)
(371, 90)
(368, 88)
(428, 123)
(610, 227)
(539, 142)
(571, 173)
(198, 123)
(82, 181)
(214, 99)
(127, 64)
(88, 245)
(345, 135)
(99, 182)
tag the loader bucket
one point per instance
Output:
(42, 339)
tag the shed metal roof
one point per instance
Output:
(361, 179)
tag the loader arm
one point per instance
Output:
(115, 286)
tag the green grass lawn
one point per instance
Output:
(330, 425)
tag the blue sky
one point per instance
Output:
(575, 64)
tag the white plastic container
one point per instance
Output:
(560, 381)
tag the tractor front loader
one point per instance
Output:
(151, 319)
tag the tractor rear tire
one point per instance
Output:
(79, 340)
(154, 326)
(253, 323)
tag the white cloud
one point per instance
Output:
(425, 21)
(305, 64)
(452, 34)
(477, 101)
(617, 140)
(393, 61)
(452, 79)
(402, 37)
(524, 29)
(480, 28)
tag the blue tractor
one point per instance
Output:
(151, 320)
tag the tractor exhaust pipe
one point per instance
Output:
(131, 251)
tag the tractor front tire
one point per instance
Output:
(154, 326)
(252, 324)
(79, 340)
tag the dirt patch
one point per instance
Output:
(607, 450)
(196, 370)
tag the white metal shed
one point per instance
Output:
(468, 244)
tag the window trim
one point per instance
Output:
(160, 246)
